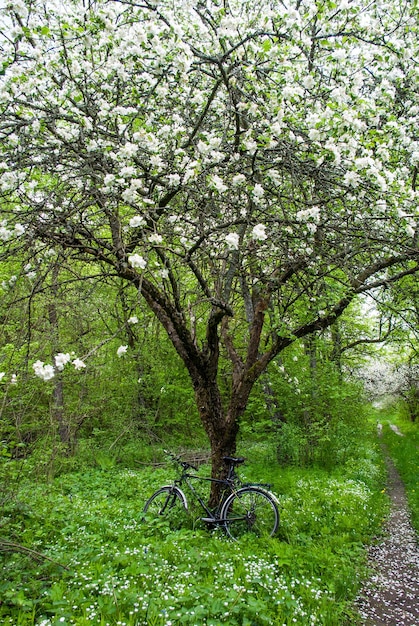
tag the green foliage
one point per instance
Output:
(312, 413)
(124, 571)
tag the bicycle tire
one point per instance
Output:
(250, 509)
(168, 503)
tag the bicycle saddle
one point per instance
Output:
(234, 460)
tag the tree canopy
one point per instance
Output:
(249, 167)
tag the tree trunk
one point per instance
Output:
(221, 428)
(58, 409)
(336, 355)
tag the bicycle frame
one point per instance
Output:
(227, 482)
(241, 508)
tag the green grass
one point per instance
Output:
(122, 572)
(405, 454)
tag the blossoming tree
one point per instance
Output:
(250, 168)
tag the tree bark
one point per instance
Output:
(58, 413)
(221, 428)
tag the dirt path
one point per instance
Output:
(391, 596)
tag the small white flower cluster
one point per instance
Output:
(232, 241)
(9, 284)
(309, 214)
(47, 371)
(155, 238)
(258, 234)
(6, 233)
(121, 351)
(137, 261)
(258, 193)
(137, 221)
(13, 378)
(218, 184)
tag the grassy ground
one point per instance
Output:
(121, 572)
(404, 451)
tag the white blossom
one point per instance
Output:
(46, 372)
(312, 213)
(259, 232)
(351, 179)
(5, 234)
(19, 230)
(136, 260)
(218, 184)
(121, 351)
(238, 179)
(155, 238)
(232, 241)
(156, 161)
(78, 364)
(173, 179)
(128, 150)
(133, 320)
(250, 145)
(136, 221)
(61, 359)
(258, 192)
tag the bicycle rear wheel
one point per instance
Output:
(250, 509)
(168, 503)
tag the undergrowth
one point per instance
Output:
(107, 567)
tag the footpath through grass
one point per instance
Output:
(404, 451)
(121, 572)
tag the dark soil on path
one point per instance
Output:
(391, 596)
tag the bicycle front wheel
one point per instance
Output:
(168, 503)
(250, 509)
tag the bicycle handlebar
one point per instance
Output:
(178, 460)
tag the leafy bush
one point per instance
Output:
(313, 416)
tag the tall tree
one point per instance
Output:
(248, 167)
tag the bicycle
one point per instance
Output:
(243, 508)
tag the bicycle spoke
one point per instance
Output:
(166, 505)
(250, 510)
